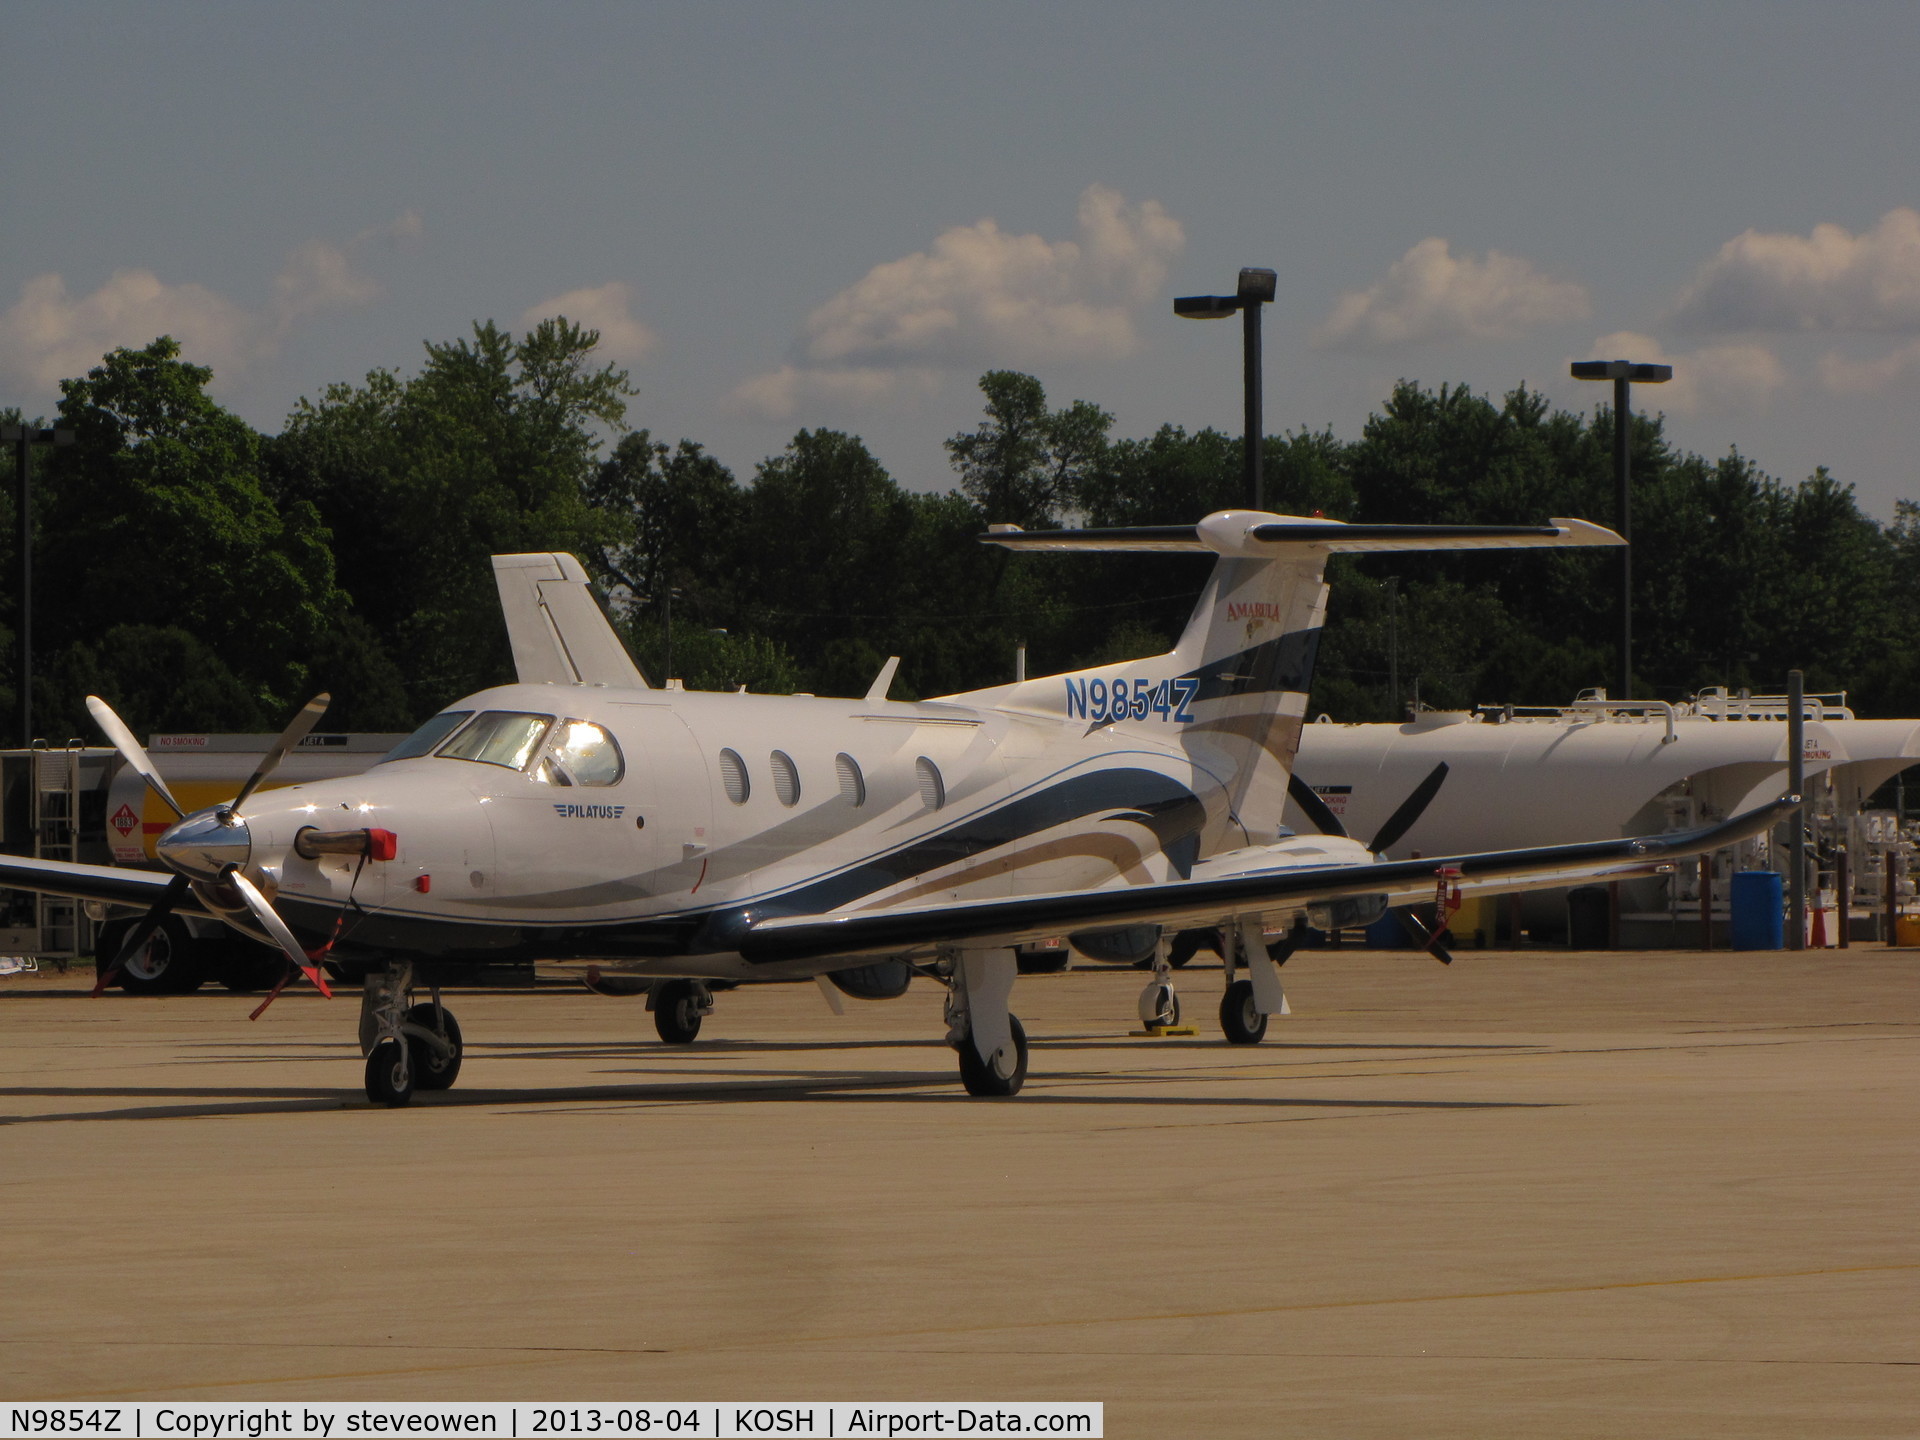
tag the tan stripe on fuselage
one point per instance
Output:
(1127, 859)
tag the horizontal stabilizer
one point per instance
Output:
(1255, 533)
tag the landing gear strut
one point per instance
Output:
(991, 1042)
(408, 1047)
(1159, 1006)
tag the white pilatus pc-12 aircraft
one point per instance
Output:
(698, 841)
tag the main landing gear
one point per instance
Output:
(990, 1041)
(408, 1046)
(1252, 997)
(1253, 979)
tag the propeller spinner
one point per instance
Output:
(211, 847)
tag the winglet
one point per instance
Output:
(883, 682)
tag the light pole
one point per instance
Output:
(1623, 373)
(1256, 289)
(23, 439)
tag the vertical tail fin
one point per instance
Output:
(1235, 686)
(558, 631)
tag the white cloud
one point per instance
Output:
(318, 276)
(979, 296)
(1844, 376)
(1714, 378)
(1828, 280)
(607, 308)
(792, 389)
(1431, 294)
(49, 334)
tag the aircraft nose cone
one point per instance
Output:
(202, 845)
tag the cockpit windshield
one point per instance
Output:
(498, 737)
(422, 741)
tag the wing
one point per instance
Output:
(110, 884)
(1183, 903)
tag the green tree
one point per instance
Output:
(492, 448)
(1025, 464)
(159, 509)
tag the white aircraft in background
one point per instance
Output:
(703, 840)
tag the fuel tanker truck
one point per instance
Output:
(1447, 782)
(84, 803)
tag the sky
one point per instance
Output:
(840, 214)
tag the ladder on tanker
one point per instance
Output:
(64, 929)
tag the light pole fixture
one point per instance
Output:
(1256, 288)
(23, 438)
(1623, 374)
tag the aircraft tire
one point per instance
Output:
(172, 963)
(676, 1012)
(430, 1071)
(1242, 1023)
(979, 1077)
(384, 1085)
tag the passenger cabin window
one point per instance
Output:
(422, 741)
(499, 737)
(933, 790)
(853, 785)
(580, 753)
(786, 778)
(733, 775)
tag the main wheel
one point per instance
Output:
(431, 1070)
(389, 1078)
(676, 1012)
(170, 963)
(981, 1078)
(1242, 1022)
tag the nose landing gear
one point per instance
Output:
(408, 1047)
(678, 1008)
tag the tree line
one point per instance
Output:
(204, 575)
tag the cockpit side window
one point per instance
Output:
(498, 737)
(422, 741)
(579, 752)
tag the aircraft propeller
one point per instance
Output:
(1397, 825)
(203, 845)
(1189, 942)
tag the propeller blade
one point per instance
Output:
(143, 932)
(271, 922)
(297, 730)
(1411, 809)
(130, 750)
(1427, 942)
(1314, 808)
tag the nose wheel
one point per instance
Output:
(409, 1047)
(678, 1008)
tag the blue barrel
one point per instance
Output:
(1758, 922)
